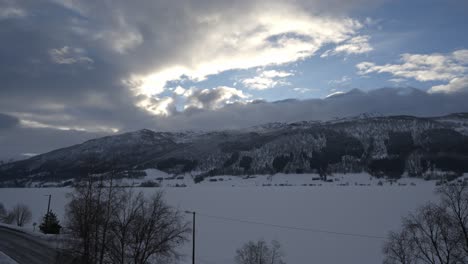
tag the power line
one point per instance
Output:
(291, 227)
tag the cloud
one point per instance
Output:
(20, 140)
(135, 49)
(179, 90)
(8, 121)
(397, 80)
(461, 56)
(455, 85)
(221, 40)
(432, 67)
(450, 67)
(211, 115)
(384, 101)
(68, 55)
(342, 80)
(213, 99)
(28, 155)
(334, 94)
(95, 128)
(305, 90)
(266, 80)
(160, 106)
(355, 45)
(10, 9)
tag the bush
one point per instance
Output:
(149, 184)
(198, 178)
(50, 224)
(3, 212)
(21, 214)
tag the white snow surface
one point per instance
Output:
(4, 259)
(51, 240)
(361, 207)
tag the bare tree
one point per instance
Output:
(157, 231)
(88, 216)
(122, 228)
(5, 216)
(21, 214)
(276, 253)
(455, 199)
(435, 233)
(399, 249)
(260, 252)
(117, 226)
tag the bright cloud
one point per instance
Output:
(455, 85)
(334, 94)
(304, 90)
(257, 39)
(35, 124)
(451, 67)
(355, 45)
(158, 106)
(179, 90)
(267, 80)
(432, 67)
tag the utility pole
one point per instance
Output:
(48, 209)
(193, 235)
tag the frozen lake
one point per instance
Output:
(366, 210)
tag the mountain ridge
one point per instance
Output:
(381, 145)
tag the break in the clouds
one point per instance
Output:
(101, 67)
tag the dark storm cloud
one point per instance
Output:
(50, 73)
(63, 61)
(7, 121)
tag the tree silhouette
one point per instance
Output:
(50, 224)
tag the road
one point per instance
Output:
(25, 249)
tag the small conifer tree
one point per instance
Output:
(50, 224)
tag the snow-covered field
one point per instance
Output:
(362, 208)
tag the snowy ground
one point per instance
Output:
(57, 241)
(360, 207)
(4, 259)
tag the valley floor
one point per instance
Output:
(331, 223)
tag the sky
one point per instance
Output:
(73, 70)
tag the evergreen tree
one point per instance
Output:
(50, 224)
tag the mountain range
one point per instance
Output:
(389, 146)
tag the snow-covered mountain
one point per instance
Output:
(390, 146)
